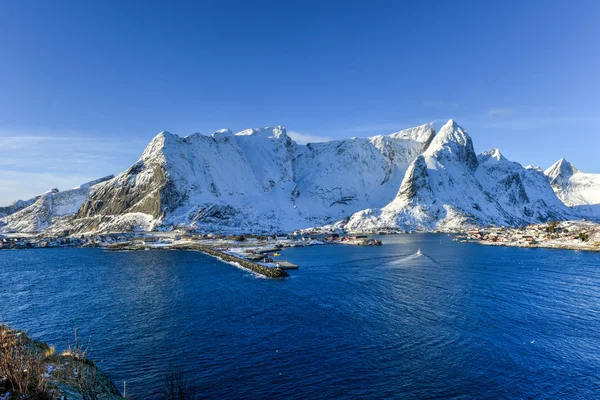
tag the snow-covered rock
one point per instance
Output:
(44, 210)
(258, 180)
(17, 205)
(449, 187)
(578, 190)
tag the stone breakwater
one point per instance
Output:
(252, 266)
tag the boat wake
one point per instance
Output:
(413, 257)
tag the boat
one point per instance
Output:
(419, 252)
(276, 254)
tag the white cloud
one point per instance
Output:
(303, 138)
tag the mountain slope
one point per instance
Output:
(255, 180)
(17, 205)
(449, 187)
(47, 208)
(579, 190)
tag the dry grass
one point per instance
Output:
(85, 373)
(30, 369)
(23, 366)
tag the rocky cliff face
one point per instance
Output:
(450, 187)
(578, 190)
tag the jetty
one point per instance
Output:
(287, 265)
(244, 263)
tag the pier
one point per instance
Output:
(252, 266)
(287, 265)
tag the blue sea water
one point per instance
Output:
(461, 321)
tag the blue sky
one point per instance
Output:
(85, 85)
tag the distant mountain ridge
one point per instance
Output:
(578, 190)
(260, 180)
(45, 210)
(17, 205)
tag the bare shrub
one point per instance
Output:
(85, 373)
(23, 365)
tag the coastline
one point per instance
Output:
(564, 235)
(592, 248)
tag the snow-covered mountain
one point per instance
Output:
(260, 180)
(578, 190)
(44, 210)
(449, 187)
(255, 180)
(17, 205)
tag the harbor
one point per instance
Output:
(260, 269)
(259, 254)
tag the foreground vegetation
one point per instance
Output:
(31, 370)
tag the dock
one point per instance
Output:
(252, 266)
(287, 265)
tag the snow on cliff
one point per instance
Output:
(449, 187)
(260, 180)
(579, 190)
(257, 180)
(43, 210)
(16, 206)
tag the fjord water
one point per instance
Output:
(462, 320)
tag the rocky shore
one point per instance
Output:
(30, 369)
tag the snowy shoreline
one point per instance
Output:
(565, 235)
(593, 248)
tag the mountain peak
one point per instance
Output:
(452, 132)
(562, 169)
(165, 135)
(534, 168)
(452, 142)
(493, 155)
(222, 134)
(158, 143)
(423, 133)
(275, 132)
(94, 182)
